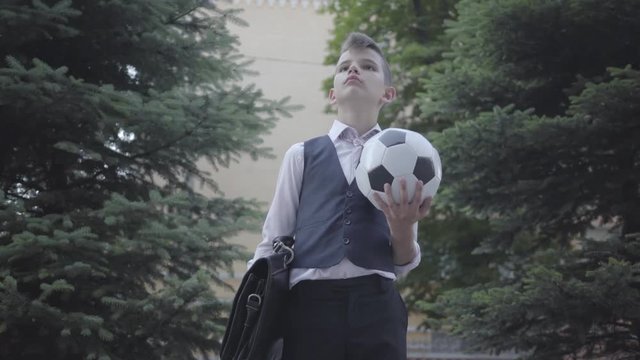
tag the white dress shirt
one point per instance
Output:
(281, 218)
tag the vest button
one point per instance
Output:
(347, 222)
(346, 241)
(348, 211)
(349, 194)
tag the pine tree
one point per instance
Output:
(546, 148)
(107, 251)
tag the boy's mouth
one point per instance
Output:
(352, 77)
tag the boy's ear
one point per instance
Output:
(332, 96)
(389, 94)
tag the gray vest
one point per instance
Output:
(334, 219)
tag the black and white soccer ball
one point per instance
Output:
(394, 154)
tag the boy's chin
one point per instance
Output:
(359, 102)
(357, 95)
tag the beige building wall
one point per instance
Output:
(287, 45)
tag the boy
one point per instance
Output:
(343, 304)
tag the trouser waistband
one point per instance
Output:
(363, 285)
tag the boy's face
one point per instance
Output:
(359, 78)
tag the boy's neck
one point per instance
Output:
(362, 120)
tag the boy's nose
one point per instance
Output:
(353, 68)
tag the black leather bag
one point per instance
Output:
(255, 327)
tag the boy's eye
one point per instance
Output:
(369, 67)
(343, 68)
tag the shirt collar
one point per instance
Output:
(339, 127)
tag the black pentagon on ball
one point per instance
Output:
(378, 177)
(424, 169)
(392, 137)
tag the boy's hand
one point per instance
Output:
(401, 218)
(407, 212)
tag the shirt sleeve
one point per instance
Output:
(281, 217)
(403, 270)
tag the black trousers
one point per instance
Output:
(351, 319)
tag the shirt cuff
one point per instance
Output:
(403, 270)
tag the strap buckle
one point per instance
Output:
(279, 247)
(255, 298)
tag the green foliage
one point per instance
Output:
(543, 97)
(584, 305)
(446, 239)
(531, 55)
(500, 156)
(106, 249)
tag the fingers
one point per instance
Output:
(403, 192)
(387, 191)
(413, 210)
(382, 205)
(417, 195)
(424, 208)
(404, 195)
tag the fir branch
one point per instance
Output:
(158, 325)
(173, 20)
(176, 140)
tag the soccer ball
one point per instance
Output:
(395, 154)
